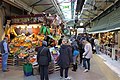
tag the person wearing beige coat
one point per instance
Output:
(87, 55)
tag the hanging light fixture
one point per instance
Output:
(81, 24)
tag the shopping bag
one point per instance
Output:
(27, 69)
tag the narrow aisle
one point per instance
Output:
(99, 71)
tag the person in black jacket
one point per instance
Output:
(4, 47)
(65, 58)
(43, 59)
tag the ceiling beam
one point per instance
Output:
(85, 14)
(47, 8)
(85, 19)
(94, 7)
(42, 4)
(110, 1)
(53, 12)
(79, 6)
(36, 3)
(91, 12)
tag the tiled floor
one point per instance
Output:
(99, 71)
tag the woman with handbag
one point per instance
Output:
(43, 59)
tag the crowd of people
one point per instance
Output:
(79, 46)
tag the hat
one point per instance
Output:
(44, 43)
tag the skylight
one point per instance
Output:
(65, 6)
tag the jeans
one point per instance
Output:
(44, 72)
(66, 72)
(87, 66)
(4, 61)
(81, 56)
(74, 59)
(97, 49)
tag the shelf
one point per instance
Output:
(27, 16)
(22, 23)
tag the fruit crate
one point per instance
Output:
(10, 61)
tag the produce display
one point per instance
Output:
(24, 46)
(44, 30)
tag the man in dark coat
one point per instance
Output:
(43, 59)
(65, 58)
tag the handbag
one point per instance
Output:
(75, 52)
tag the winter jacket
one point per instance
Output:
(43, 56)
(88, 51)
(65, 57)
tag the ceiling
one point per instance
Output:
(41, 5)
(64, 8)
(93, 8)
(68, 10)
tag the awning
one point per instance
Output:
(98, 29)
(104, 28)
(114, 27)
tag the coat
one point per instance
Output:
(65, 57)
(43, 56)
(88, 51)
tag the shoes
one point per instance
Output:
(5, 70)
(74, 70)
(68, 78)
(86, 70)
(61, 77)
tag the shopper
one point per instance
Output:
(43, 59)
(81, 47)
(87, 55)
(65, 58)
(91, 39)
(5, 52)
(75, 55)
(97, 45)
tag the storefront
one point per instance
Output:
(25, 36)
